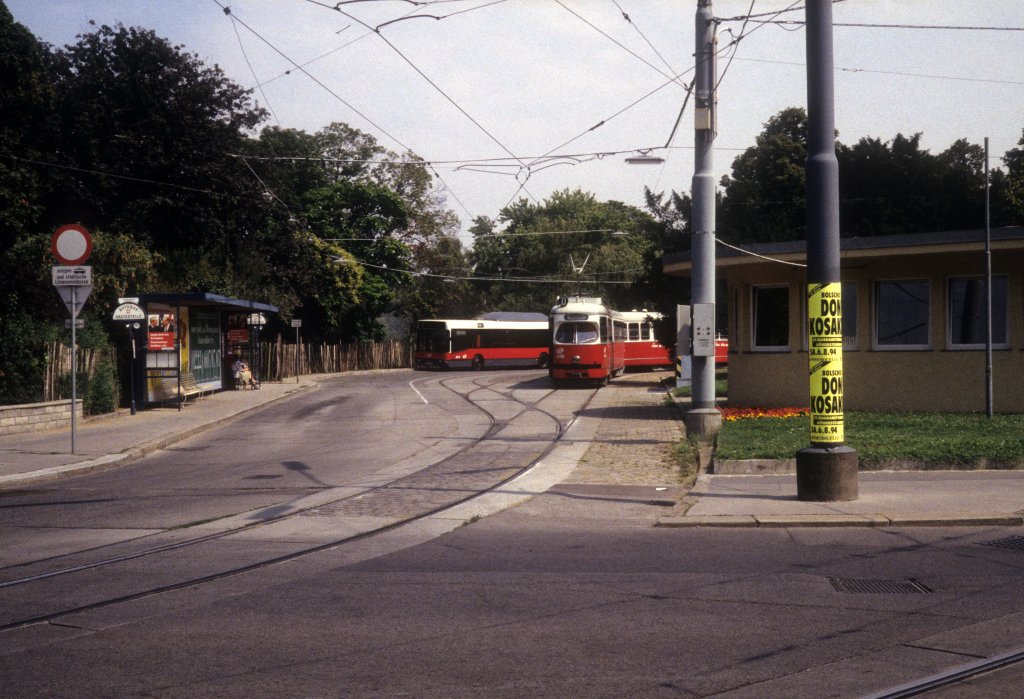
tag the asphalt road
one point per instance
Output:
(565, 595)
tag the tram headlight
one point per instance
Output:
(576, 359)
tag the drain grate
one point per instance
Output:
(878, 587)
(1015, 543)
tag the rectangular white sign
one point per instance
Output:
(66, 275)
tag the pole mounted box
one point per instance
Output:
(703, 328)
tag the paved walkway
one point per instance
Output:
(620, 451)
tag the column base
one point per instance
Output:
(826, 474)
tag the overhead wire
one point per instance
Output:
(248, 63)
(546, 279)
(322, 85)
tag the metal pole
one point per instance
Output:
(704, 418)
(988, 294)
(298, 347)
(74, 368)
(827, 470)
(131, 371)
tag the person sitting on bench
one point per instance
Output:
(243, 374)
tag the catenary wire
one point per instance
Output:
(330, 91)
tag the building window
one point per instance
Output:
(771, 317)
(968, 321)
(901, 314)
(849, 315)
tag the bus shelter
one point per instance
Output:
(190, 342)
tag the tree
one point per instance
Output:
(764, 198)
(149, 133)
(550, 241)
(1008, 189)
(24, 103)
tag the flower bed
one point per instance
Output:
(732, 414)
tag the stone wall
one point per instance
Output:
(33, 417)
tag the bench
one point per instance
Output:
(167, 390)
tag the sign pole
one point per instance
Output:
(298, 348)
(74, 368)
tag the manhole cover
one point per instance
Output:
(1015, 543)
(878, 587)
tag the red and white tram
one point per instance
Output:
(643, 350)
(592, 342)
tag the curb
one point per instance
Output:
(832, 520)
(138, 451)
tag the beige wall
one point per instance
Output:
(938, 379)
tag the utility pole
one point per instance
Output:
(704, 418)
(827, 470)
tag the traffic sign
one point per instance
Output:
(71, 244)
(74, 297)
(79, 323)
(72, 276)
(129, 311)
(257, 319)
(296, 322)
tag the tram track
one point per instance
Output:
(417, 480)
(949, 678)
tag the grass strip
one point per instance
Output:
(933, 440)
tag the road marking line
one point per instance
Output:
(425, 401)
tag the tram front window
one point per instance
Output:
(576, 333)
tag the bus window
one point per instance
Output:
(463, 340)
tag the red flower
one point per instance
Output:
(731, 414)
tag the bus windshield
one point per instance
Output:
(576, 333)
(432, 341)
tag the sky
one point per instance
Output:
(513, 99)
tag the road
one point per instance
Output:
(568, 594)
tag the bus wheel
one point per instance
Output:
(542, 361)
(478, 363)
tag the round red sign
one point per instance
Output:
(71, 244)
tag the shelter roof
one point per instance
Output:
(208, 300)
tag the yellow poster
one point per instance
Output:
(825, 353)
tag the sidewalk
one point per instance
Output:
(630, 461)
(116, 439)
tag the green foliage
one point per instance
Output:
(22, 355)
(544, 266)
(885, 187)
(101, 390)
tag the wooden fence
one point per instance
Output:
(277, 359)
(58, 368)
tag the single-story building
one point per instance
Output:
(913, 317)
(189, 343)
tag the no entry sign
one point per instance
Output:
(71, 244)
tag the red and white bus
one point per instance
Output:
(483, 342)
